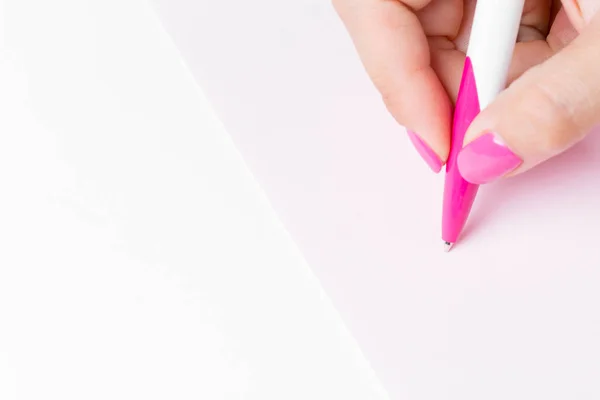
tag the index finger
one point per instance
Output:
(395, 52)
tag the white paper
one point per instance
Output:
(510, 313)
(139, 260)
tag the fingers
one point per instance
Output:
(535, 20)
(395, 52)
(562, 33)
(546, 111)
(532, 47)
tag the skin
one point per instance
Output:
(414, 51)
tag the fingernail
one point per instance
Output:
(486, 159)
(426, 153)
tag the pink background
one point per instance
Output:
(510, 313)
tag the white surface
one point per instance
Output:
(138, 258)
(511, 313)
(493, 35)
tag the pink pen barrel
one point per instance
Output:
(491, 45)
(459, 194)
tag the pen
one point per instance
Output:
(489, 54)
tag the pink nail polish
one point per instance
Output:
(426, 153)
(486, 159)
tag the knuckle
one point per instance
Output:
(394, 89)
(391, 98)
(381, 79)
(553, 118)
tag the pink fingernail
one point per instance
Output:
(426, 153)
(486, 159)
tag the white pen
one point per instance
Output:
(489, 55)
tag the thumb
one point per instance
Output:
(543, 113)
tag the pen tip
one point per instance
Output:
(448, 246)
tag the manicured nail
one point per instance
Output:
(486, 159)
(426, 153)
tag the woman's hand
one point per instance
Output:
(414, 51)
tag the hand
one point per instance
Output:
(414, 51)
